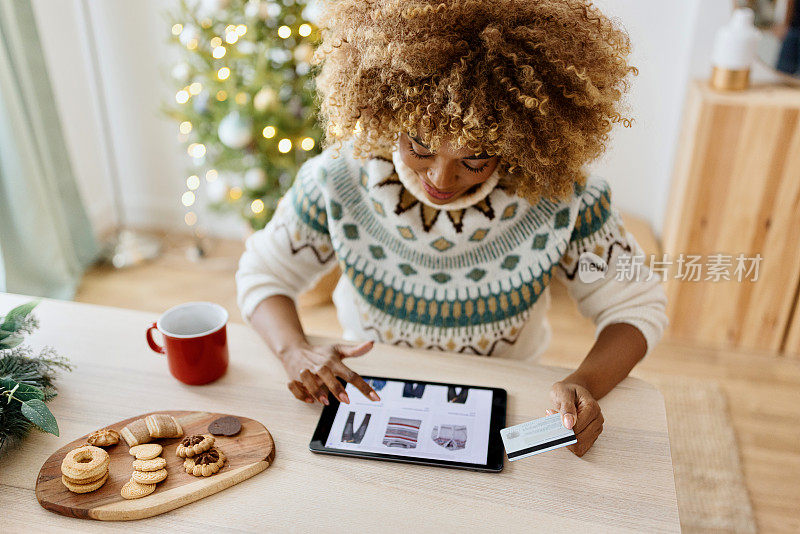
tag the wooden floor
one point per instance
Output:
(763, 391)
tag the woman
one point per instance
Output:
(453, 190)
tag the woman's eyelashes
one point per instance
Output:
(426, 156)
(415, 153)
(476, 170)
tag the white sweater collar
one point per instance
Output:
(410, 181)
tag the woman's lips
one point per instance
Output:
(436, 193)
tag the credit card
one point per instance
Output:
(535, 437)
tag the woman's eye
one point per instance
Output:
(479, 168)
(417, 154)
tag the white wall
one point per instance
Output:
(134, 62)
(672, 44)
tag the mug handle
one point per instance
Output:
(152, 342)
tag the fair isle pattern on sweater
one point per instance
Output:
(460, 282)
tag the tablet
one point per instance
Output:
(430, 423)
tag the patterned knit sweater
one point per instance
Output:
(470, 278)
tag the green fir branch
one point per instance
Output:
(27, 380)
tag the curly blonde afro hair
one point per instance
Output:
(537, 82)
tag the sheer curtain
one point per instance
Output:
(46, 240)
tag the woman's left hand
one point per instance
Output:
(580, 412)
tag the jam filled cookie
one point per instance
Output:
(85, 463)
(153, 464)
(103, 438)
(194, 445)
(147, 451)
(135, 490)
(163, 426)
(205, 464)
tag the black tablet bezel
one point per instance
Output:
(494, 458)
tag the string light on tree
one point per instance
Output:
(188, 198)
(196, 150)
(255, 178)
(257, 206)
(284, 145)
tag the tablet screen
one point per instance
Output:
(415, 419)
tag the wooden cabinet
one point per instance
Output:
(736, 190)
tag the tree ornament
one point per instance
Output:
(265, 98)
(200, 102)
(216, 191)
(255, 178)
(273, 9)
(257, 9)
(303, 52)
(181, 72)
(246, 47)
(235, 130)
(188, 33)
(209, 8)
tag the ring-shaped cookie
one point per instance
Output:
(85, 462)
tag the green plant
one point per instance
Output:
(26, 379)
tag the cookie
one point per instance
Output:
(88, 480)
(225, 426)
(135, 490)
(154, 464)
(149, 477)
(162, 425)
(194, 445)
(103, 438)
(84, 488)
(148, 451)
(85, 462)
(205, 464)
(136, 433)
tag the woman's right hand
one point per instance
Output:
(313, 371)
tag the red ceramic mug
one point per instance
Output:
(195, 341)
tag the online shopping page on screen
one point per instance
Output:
(416, 420)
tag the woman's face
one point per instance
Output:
(449, 173)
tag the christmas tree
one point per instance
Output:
(244, 101)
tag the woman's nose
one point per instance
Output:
(442, 176)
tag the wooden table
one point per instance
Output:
(624, 483)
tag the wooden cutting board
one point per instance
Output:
(248, 453)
